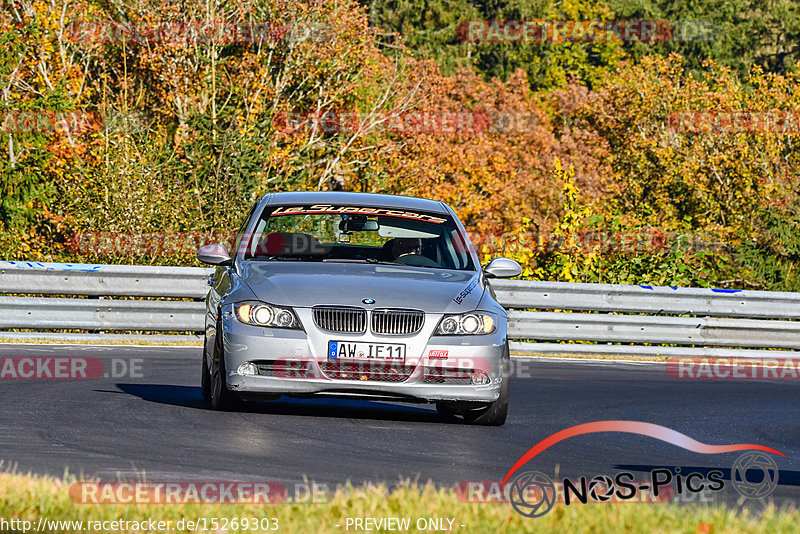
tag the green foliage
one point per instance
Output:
(588, 178)
(194, 130)
(31, 162)
(769, 259)
(430, 28)
(736, 33)
(589, 247)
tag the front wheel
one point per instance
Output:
(492, 414)
(205, 378)
(222, 398)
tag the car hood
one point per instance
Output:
(307, 284)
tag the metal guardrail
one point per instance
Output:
(653, 329)
(35, 278)
(100, 314)
(657, 300)
(617, 319)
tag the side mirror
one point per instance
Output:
(502, 268)
(214, 255)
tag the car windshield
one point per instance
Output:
(358, 234)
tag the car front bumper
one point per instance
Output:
(295, 362)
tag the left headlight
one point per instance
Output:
(262, 314)
(466, 324)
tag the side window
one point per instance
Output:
(458, 249)
(240, 234)
(257, 233)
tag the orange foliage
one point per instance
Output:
(496, 174)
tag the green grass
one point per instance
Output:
(29, 498)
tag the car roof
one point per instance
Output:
(356, 199)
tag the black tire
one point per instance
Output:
(222, 399)
(495, 413)
(205, 377)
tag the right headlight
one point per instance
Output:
(467, 324)
(263, 314)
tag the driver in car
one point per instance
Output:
(406, 246)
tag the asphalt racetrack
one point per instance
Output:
(153, 423)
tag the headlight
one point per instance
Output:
(263, 314)
(467, 324)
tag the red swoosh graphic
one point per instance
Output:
(634, 427)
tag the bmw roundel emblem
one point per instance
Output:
(368, 301)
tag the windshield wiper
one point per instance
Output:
(276, 257)
(361, 260)
(384, 262)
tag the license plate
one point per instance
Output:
(349, 350)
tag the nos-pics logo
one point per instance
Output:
(533, 494)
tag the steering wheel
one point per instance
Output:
(417, 260)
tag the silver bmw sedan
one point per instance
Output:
(356, 295)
